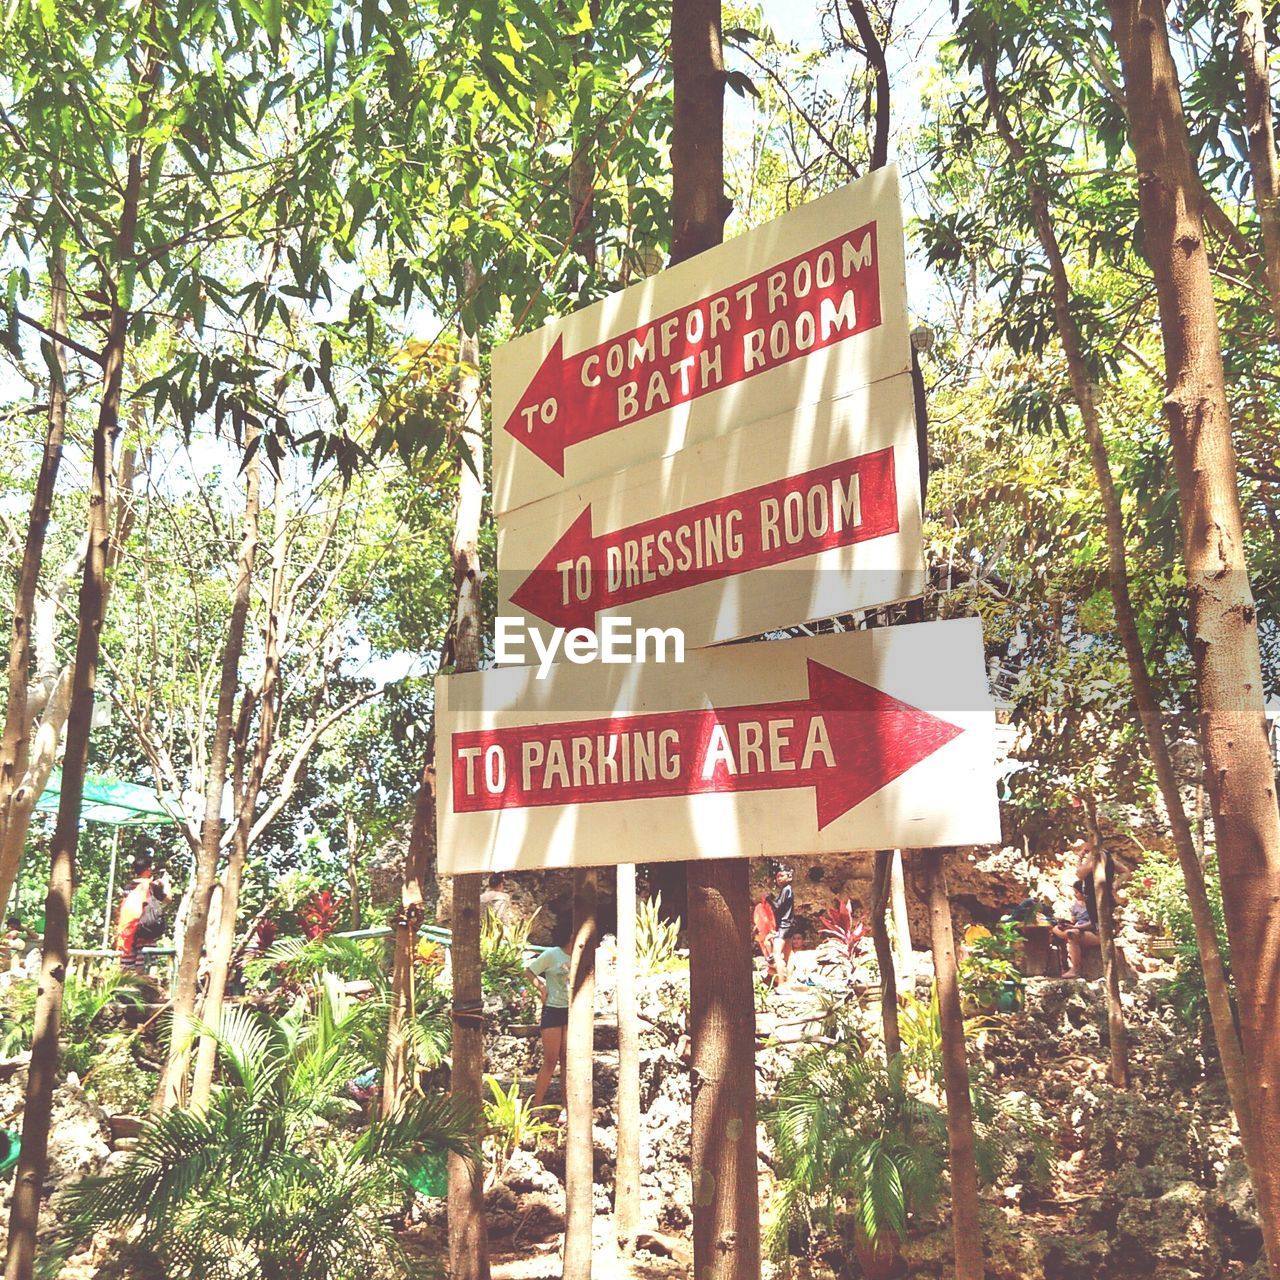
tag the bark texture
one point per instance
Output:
(965, 1223)
(726, 1210)
(1224, 627)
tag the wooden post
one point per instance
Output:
(111, 889)
(626, 1186)
(966, 1225)
(726, 1209)
(1104, 893)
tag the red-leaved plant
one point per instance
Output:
(848, 934)
(321, 914)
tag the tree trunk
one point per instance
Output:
(172, 1087)
(579, 1065)
(225, 937)
(901, 930)
(966, 1225)
(726, 1207)
(33, 1162)
(468, 1235)
(1104, 894)
(626, 1187)
(353, 867)
(15, 746)
(1224, 627)
(884, 953)
(873, 51)
(1188, 844)
(1260, 125)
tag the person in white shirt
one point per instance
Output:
(549, 972)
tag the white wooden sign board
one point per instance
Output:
(864, 740)
(804, 516)
(805, 308)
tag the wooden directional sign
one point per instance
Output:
(805, 516)
(807, 307)
(863, 740)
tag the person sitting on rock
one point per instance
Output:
(549, 972)
(1079, 934)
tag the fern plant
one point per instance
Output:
(261, 1184)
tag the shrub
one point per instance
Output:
(656, 938)
(258, 1185)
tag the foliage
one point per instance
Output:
(260, 1184)
(857, 1151)
(1157, 886)
(988, 966)
(322, 914)
(87, 1003)
(503, 944)
(512, 1121)
(845, 937)
(656, 938)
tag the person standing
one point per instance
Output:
(549, 972)
(496, 898)
(784, 916)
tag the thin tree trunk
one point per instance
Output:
(353, 866)
(579, 1064)
(626, 1187)
(965, 1223)
(244, 789)
(884, 953)
(172, 1087)
(873, 51)
(580, 1033)
(1104, 894)
(1224, 627)
(1189, 848)
(901, 930)
(726, 1202)
(1260, 125)
(15, 746)
(33, 1162)
(468, 1235)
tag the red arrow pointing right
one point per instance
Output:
(847, 740)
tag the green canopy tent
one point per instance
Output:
(114, 804)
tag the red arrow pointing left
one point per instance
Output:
(836, 505)
(787, 312)
(847, 740)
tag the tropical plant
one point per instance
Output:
(263, 1182)
(503, 944)
(843, 936)
(322, 914)
(86, 1044)
(511, 1121)
(988, 968)
(656, 938)
(857, 1152)
(1158, 887)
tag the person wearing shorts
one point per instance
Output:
(784, 915)
(549, 972)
